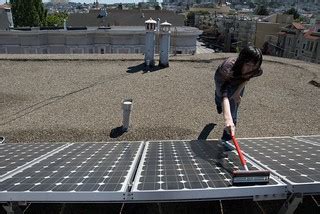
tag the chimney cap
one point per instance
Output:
(165, 24)
(150, 21)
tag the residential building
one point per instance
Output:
(295, 41)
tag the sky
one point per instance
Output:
(91, 1)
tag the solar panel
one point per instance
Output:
(192, 170)
(295, 161)
(312, 139)
(15, 155)
(80, 172)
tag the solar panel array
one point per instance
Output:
(295, 161)
(186, 169)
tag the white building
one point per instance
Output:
(101, 41)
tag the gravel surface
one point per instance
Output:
(78, 98)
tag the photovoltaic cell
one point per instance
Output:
(295, 161)
(82, 167)
(183, 165)
(14, 155)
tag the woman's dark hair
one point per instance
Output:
(248, 54)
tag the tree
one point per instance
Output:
(261, 10)
(251, 5)
(28, 13)
(157, 7)
(56, 19)
(190, 19)
(293, 12)
(40, 11)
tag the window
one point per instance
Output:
(102, 50)
(311, 46)
(304, 45)
(308, 44)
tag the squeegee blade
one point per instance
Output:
(252, 177)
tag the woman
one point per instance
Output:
(230, 80)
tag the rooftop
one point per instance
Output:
(298, 26)
(78, 98)
(124, 18)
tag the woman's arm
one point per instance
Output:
(229, 125)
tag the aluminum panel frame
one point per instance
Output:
(62, 196)
(254, 192)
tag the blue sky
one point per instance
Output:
(91, 1)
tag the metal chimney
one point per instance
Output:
(126, 107)
(158, 24)
(164, 44)
(149, 46)
(64, 24)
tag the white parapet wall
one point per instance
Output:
(91, 41)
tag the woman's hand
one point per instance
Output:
(230, 127)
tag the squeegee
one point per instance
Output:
(248, 177)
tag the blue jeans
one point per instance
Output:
(234, 112)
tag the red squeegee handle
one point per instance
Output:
(235, 142)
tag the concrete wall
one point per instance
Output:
(88, 41)
(280, 18)
(263, 29)
(284, 19)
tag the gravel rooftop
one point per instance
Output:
(78, 98)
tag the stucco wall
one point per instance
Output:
(263, 29)
(90, 41)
